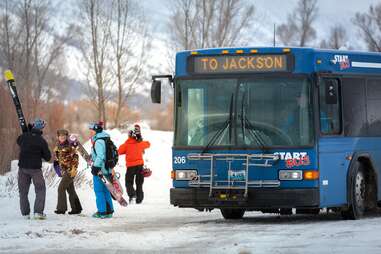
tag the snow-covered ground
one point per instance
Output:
(157, 227)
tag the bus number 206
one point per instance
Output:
(179, 160)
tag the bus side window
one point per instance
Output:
(196, 120)
(330, 107)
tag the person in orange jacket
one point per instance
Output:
(134, 148)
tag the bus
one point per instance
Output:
(276, 130)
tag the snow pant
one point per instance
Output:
(67, 185)
(102, 196)
(135, 173)
(25, 177)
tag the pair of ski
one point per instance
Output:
(112, 183)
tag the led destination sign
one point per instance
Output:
(239, 64)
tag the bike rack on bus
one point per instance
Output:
(249, 161)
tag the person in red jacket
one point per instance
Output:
(134, 148)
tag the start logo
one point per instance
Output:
(342, 60)
(294, 159)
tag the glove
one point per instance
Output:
(138, 137)
(96, 171)
(73, 140)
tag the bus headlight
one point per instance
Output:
(290, 174)
(185, 175)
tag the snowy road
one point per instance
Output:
(157, 227)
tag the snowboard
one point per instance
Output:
(112, 183)
(12, 88)
(73, 139)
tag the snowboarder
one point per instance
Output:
(33, 148)
(66, 158)
(98, 168)
(134, 148)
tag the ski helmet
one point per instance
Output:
(38, 124)
(97, 127)
(62, 132)
(137, 129)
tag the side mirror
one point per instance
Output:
(331, 93)
(156, 91)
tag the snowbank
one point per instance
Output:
(8, 182)
(157, 158)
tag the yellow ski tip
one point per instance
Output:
(8, 75)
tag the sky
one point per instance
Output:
(268, 12)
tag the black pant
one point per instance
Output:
(25, 178)
(135, 172)
(67, 185)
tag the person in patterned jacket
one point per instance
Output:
(66, 158)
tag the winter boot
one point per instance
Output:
(75, 212)
(98, 215)
(40, 216)
(59, 212)
(131, 199)
(108, 216)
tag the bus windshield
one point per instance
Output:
(256, 112)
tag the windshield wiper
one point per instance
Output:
(227, 123)
(245, 121)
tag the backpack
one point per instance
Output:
(112, 155)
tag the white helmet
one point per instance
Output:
(131, 131)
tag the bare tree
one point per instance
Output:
(209, 23)
(96, 21)
(7, 38)
(337, 38)
(131, 44)
(299, 31)
(369, 25)
(8, 131)
(31, 46)
(47, 54)
(181, 23)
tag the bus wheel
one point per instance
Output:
(232, 213)
(358, 193)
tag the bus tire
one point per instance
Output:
(357, 188)
(232, 213)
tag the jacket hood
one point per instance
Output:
(100, 135)
(131, 140)
(36, 131)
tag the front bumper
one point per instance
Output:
(257, 198)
